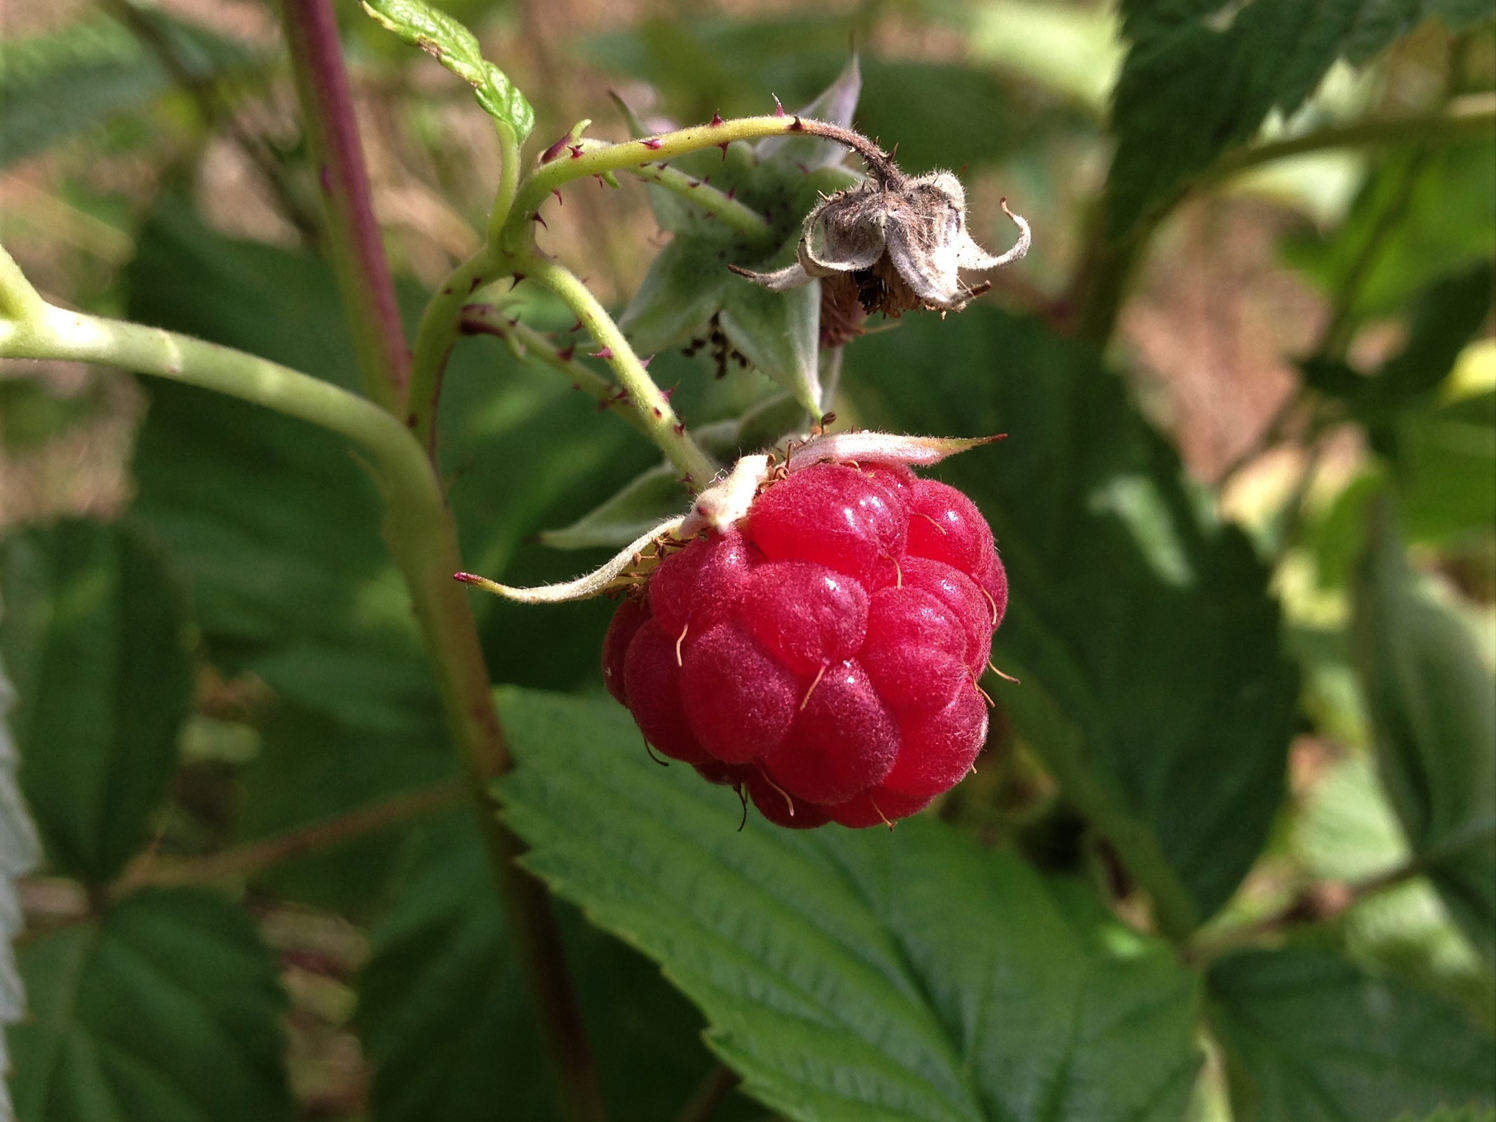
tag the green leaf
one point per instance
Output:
(1191, 89)
(20, 852)
(1309, 1036)
(97, 642)
(446, 1024)
(167, 1008)
(1153, 680)
(456, 48)
(849, 974)
(1433, 712)
(1446, 471)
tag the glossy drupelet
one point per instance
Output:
(823, 654)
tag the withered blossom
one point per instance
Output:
(892, 243)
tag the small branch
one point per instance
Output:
(641, 394)
(19, 301)
(1471, 117)
(529, 345)
(744, 219)
(354, 241)
(1327, 900)
(242, 861)
(599, 158)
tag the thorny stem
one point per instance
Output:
(354, 242)
(510, 236)
(597, 158)
(744, 219)
(650, 405)
(527, 344)
(423, 540)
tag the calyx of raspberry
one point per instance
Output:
(728, 500)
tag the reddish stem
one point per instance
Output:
(355, 245)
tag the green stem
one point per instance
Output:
(423, 539)
(650, 405)
(733, 214)
(530, 345)
(438, 330)
(598, 158)
(354, 241)
(508, 180)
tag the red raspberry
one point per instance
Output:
(822, 655)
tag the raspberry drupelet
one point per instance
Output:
(821, 654)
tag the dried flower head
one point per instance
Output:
(892, 243)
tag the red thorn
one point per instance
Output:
(732, 192)
(723, 146)
(565, 353)
(474, 284)
(536, 218)
(604, 354)
(680, 428)
(778, 107)
(559, 200)
(694, 183)
(716, 120)
(576, 326)
(657, 413)
(554, 150)
(668, 394)
(644, 362)
(576, 151)
(798, 126)
(652, 143)
(517, 278)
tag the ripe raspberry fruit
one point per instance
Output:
(821, 654)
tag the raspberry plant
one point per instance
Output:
(1196, 818)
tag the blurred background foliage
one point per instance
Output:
(1248, 506)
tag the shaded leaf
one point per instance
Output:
(1432, 703)
(456, 48)
(167, 1008)
(1309, 1036)
(97, 642)
(444, 1017)
(852, 974)
(1153, 680)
